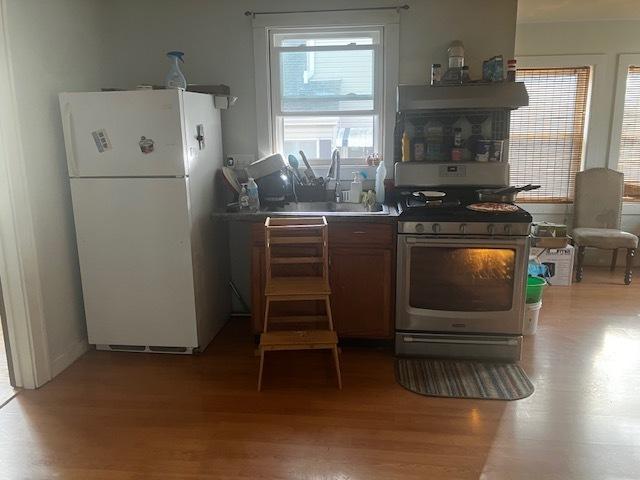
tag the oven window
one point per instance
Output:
(461, 279)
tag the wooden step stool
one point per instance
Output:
(300, 231)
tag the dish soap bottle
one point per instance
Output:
(356, 189)
(243, 199)
(175, 78)
(254, 199)
(381, 174)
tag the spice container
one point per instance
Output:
(406, 147)
(511, 70)
(434, 143)
(464, 74)
(456, 54)
(418, 146)
(495, 152)
(436, 73)
(457, 150)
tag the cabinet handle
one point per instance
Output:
(359, 232)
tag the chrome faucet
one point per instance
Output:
(335, 163)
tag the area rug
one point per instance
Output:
(463, 379)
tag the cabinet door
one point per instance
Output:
(362, 289)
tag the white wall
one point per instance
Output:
(217, 38)
(609, 38)
(54, 46)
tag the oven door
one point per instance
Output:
(466, 285)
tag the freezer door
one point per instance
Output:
(135, 260)
(124, 134)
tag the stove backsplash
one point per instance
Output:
(436, 129)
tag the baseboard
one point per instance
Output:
(65, 359)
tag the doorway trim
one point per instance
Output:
(19, 274)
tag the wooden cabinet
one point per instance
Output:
(361, 291)
(362, 275)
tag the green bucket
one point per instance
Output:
(535, 287)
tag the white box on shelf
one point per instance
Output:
(559, 261)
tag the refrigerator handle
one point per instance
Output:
(69, 136)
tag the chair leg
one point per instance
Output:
(336, 360)
(631, 252)
(614, 259)
(579, 264)
(261, 368)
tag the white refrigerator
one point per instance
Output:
(154, 265)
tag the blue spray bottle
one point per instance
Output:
(175, 78)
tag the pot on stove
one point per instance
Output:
(503, 195)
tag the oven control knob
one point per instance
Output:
(419, 228)
(507, 229)
(491, 229)
(463, 228)
(436, 228)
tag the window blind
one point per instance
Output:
(629, 160)
(547, 137)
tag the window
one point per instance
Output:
(629, 159)
(326, 92)
(546, 142)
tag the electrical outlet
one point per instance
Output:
(239, 160)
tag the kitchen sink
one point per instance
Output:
(329, 208)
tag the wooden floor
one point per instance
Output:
(143, 416)
(6, 390)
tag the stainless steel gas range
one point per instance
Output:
(461, 274)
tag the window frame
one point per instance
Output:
(277, 115)
(595, 127)
(625, 61)
(386, 21)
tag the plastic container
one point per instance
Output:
(175, 79)
(531, 315)
(456, 54)
(381, 174)
(535, 287)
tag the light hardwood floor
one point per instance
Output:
(6, 390)
(138, 416)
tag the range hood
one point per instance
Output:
(508, 95)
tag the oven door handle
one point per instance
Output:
(408, 339)
(437, 241)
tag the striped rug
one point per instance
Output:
(463, 379)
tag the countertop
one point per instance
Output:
(260, 216)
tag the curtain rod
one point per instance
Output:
(249, 13)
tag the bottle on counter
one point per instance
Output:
(355, 192)
(381, 174)
(254, 199)
(243, 199)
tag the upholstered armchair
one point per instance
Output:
(597, 214)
